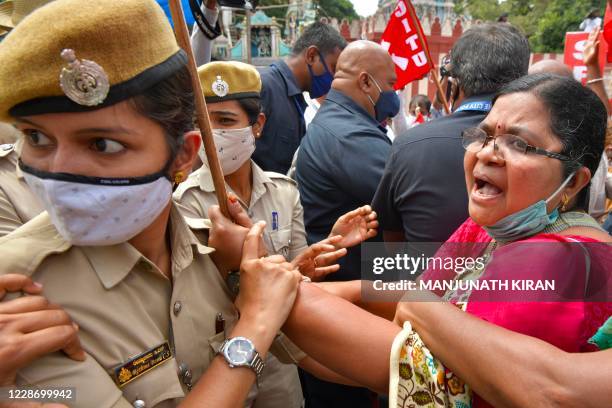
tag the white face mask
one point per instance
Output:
(234, 148)
(91, 211)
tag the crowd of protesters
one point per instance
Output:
(123, 282)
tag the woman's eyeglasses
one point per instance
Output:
(475, 139)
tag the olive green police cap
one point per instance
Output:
(227, 80)
(79, 55)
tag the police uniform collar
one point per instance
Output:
(260, 180)
(113, 263)
(287, 74)
(259, 177)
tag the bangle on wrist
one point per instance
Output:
(595, 80)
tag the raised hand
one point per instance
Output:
(319, 260)
(355, 227)
(590, 54)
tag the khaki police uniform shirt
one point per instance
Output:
(272, 193)
(124, 307)
(18, 204)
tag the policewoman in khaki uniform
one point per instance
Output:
(232, 92)
(104, 101)
(238, 85)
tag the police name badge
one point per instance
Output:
(83, 81)
(220, 87)
(141, 364)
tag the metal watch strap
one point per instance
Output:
(257, 365)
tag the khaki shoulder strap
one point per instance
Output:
(23, 250)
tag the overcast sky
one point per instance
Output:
(365, 7)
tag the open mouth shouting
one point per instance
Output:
(485, 189)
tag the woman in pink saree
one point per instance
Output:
(527, 182)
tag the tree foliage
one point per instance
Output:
(279, 12)
(325, 8)
(545, 22)
(336, 9)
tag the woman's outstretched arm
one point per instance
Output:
(343, 337)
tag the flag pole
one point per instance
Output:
(182, 37)
(434, 73)
(436, 79)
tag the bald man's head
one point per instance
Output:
(361, 56)
(551, 67)
(364, 71)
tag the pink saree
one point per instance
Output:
(581, 266)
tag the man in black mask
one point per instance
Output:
(309, 68)
(339, 164)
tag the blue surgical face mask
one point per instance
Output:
(526, 222)
(388, 104)
(320, 84)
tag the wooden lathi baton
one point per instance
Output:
(434, 73)
(182, 37)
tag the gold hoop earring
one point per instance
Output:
(564, 202)
(179, 177)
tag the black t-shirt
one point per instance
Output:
(422, 191)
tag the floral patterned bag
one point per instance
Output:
(418, 379)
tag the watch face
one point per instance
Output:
(240, 351)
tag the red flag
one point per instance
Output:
(607, 31)
(573, 55)
(404, 40)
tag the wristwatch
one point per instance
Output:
(240, 352)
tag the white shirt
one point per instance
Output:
(311, 109)
(202, 45)
(590, 24)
